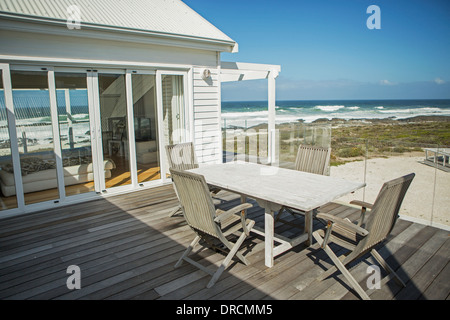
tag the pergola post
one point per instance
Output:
(271, 117)
(238, 71)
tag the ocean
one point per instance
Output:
(250, 113)
(33, 112)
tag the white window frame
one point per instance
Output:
(189, 119)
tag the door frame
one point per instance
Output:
(91, 73)
(22, 206)
(189, 122)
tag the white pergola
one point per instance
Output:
(238, 71)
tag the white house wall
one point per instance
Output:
(29, 47)
(207, 116)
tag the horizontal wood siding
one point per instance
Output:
(207, 115)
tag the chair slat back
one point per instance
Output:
(313, 159)
(382, 218)
(196, 201)
(181, 156)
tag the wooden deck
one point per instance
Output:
(126, 247)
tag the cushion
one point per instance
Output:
(146, 146)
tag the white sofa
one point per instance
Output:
(146, 152)
(46, 179)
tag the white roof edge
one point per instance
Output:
(240, 71)
(244, 66)
(57, 22)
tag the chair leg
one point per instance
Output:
(174, 212)
(188, 250)
(227, 260)
(339, 265)
(280, 212)
(386, 267)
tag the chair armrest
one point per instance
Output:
(362, 204)
(225, 214)
(343, 223)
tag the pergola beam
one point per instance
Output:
(239, 71)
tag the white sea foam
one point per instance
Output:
(242, 115)
(329, 108)
(425, 110)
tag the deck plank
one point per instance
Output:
(127, 246)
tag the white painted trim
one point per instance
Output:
(188, 105)
(75, 199)
(235, 75)
(219, 118)
(131, 134)
(56, 137)
(65, 62)
(189, 86)
(98, 131)
(14, 144)
(91, 31)
(92, 106)
(271, 116)
(159, 115)
(228, 66)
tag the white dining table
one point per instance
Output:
(272, 188)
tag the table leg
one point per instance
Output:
(309, 226)
(269, 233)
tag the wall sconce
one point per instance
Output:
(206, 74)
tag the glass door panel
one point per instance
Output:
(74, 130)
(8, 198)
(114, 128)
(175, 123)
(174, 111)
(146, 127)
(34, 131)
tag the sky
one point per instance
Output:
(327, 51)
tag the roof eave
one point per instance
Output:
(160, 37)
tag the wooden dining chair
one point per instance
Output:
(213, 227)
(363, 237)
(312, 159)
(182, 157)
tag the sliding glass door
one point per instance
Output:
(31, 96)
(8, 194)
(74, 131)
(175, 118)
(146, 134)
(113, 117)
(129, 128)
(67, 132)
(45, 150)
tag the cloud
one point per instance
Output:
(439, 80)
(387, 83)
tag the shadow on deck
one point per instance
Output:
(126, 247)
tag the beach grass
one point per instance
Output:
(358, 139)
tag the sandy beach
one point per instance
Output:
(428, 198)
(379, 150)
